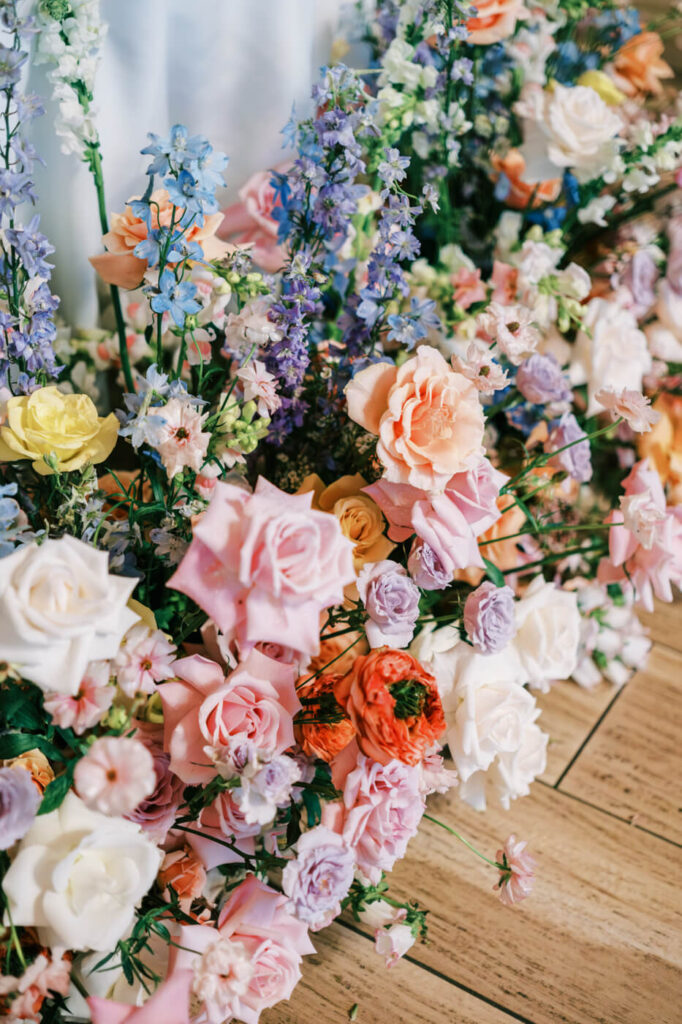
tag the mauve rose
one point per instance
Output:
(156, 813)
(19, 800)
(489, 617)
(426, 568)
(640, 278)
(576, 459)
(392, 602)
(319, 878)
(540, 379)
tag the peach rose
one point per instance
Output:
(495, 20)
(521, 192)
(663, 444)
(394, 705)
(359, 517)
(183, 870)
(428, 418)
(322, 729)
(639, 65)
(120, 267)
(35, 762)
(341, 650)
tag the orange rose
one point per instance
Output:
(359, 517)
(324, 739)
(663, 444)
(35, 762)
(428, 418)
(639, 65)
(184, 871)
(495, 20)
(120, 267)
(394, 705)
(522, 193)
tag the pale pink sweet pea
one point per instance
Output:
(41, 978)
(115, 775)
(250, 222)
(88, 707)
(264, 565)
(517, 872)
(209, 719)
(145, 658)
(255, 916)
(633, 406)
(392, 943)
(170, 1004)
(260, 386)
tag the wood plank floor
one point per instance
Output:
(600, 940)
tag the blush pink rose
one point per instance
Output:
(495, 20)
(448, 522)
(264, 565)
(170, 1004)
(428, 418)
(645, 542)
(250, 222)
(256, 916)
(210, 719)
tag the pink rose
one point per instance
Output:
(170, 1003)
(428, 418)
(449, 522)
(264, 565)
(209, 719)
(275, 941)
(250, 222)
(222, 820)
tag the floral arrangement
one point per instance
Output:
(361, 464)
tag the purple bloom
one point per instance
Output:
(576, 457)
(426, 568)
(319, 878)
(540, 379)
(393, 166)
(19, 800)
(156, 813)
(489, 617)
(392, 602)
(641, 276)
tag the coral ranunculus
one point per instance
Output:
(394, 705)
(323, 729)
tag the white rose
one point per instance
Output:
(613, 355)
(515, 770)
(548, 633)
(78, 876)
(59, 610)
(435, 649)
(581, 130)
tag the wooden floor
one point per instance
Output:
(600, 940)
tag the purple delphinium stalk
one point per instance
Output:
(19, 801)
(489, 617)
(575, 458)
(540, 379)
(320, 877)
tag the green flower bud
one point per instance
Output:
(249, 410)
(116, 718)
(57, 9)
(153, 711)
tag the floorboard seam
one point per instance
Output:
(589, 736)
(451, 981)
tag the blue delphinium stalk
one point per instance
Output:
(27, 307)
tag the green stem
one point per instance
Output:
(463, 840)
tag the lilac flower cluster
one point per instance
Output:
(27, 307)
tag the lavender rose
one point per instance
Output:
(19, 800)
(540, 379)
(489, 617)
(319, 878)
(392, 602)
(576, 460)
(426, 568)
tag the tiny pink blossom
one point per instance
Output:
(42, 977)
(481, 369)
(512, 328)
(145, 658)
(468, 287)
(115, 775)
(517, 872)
(633, 406)
(392, 943)
(87, 707)
(182, 443)
(260, 386)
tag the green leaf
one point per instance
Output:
(56, 791)
(19, 708)
(493, 573)
(14, 743)
(313, 809)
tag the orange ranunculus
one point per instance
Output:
(334, 731)
(120, 267)
(522, 192)
(359, 517)
(394, 705)
(639, 65)
(35, 762)
(663, 444)
(185, 872)
(495, 20)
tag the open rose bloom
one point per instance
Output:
(374, 444)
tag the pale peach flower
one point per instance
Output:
(182, 444)
(260, 386)
(481, 369)
(222, 975)
(115, 775)
(34, 762)
(468, 287)
(522, 191)
(517, 872)
(512, 329)
(88, 706)
(632, 405)
(42, 977)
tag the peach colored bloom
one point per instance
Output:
(504, 280)
(468, 287)
(115, 775)
(359, 516)
(639, 65)
(250, 222)
(334, 731)
(522, 192)
(663, 444)
(182, 869)
(495, 20)
(502, 553)
(517, 872)
(35, 762)
(337, 653)
(118, 266)
(429, 419)
(88, 706)
(41, 978)
(633, 406)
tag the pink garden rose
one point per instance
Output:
(170, 1004)
(645, 539)
(275, 941)
(210, 719)
(221, 820)
(264, 565)
(428, 418)
(448, 522)
(250, 222)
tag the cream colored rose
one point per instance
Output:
(613, 354)
(50, 423)
(514, 771)
(78, 876)
(60, 609)
(582, 130)
(359, 517)
(548, 633)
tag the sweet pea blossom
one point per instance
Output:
(320, 876)
(392, 943)
(182, 443)
(115, 775)
(392, 602)
(260, 386)
(632, 406)
(517, 872)
(44, 976)
(481, 369)
(19, 801)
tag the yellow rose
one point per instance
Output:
(602, 84)
(359, 517)
(50, 423)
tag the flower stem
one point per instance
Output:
(463, 840)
